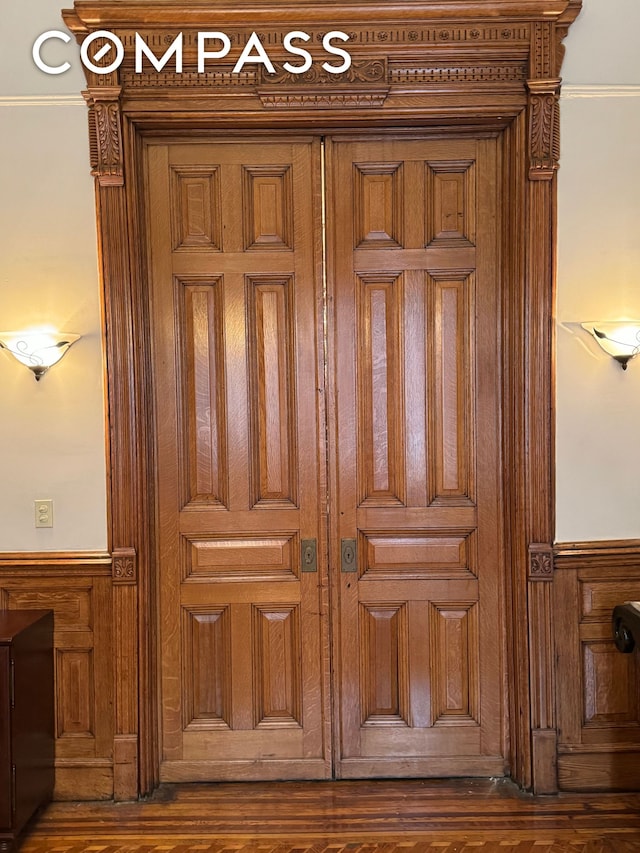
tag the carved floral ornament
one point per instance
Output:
(373, 61)
(124, 566)
(540, 562)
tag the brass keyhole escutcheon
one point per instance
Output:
(309, 555)
(348, 555)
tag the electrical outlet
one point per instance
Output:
(44, 512)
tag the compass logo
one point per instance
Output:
(254, 52)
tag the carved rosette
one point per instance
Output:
(105, 135)
(540, 562)
(544, 128)
(124, 566)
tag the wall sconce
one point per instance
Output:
(38, 349)
(620, 340)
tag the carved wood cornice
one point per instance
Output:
(562, 28)
(424, 56)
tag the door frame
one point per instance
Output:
(456, 66)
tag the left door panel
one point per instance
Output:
(236, 316)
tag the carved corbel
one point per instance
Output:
(540, 562)
(124, 569)
(544, 128)
(105, 135)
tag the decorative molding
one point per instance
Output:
(360, 71)
(378, 70)
(41, 101)
(412, 35)
(542, 61)
(330, 100)
(190, 79)
(600, 91)
(544, 128)
(418, 36)
(125, 566)
(540, 562)
(612, 554)
(489, 72)
(55, 562)
(105, 135)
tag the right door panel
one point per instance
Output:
(414, 298)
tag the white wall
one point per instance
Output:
(52, 432)
(598, 404)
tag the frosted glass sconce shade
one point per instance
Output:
(620, 340)
(37, 350)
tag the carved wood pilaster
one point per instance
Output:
(114, 237)
(544, 128)
(542, 674)
(125, 769)
(542, 669)
(538, 342)
(538, 461)
(105, 135)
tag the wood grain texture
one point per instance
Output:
(413, 438)
(240, 626)
(598, 692)
(479, 66)
(77, 588)
(347, 817)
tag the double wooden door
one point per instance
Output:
(326, 326)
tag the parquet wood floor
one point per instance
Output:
(390, 816)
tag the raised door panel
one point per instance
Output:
(419, 654)
(237, 322)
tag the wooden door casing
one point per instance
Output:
(237, 325)
(474, 66)
(416, 458)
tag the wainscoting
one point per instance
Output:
(597, 687)
(78, 588)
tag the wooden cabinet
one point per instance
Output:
(26, 718)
